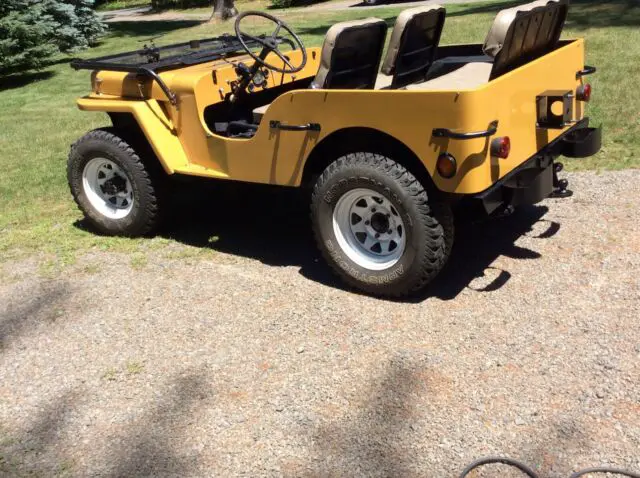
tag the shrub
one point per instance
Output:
(77, 25)
(282, 3)
(33, 30)
(24, 33)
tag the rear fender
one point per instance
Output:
(154, 123)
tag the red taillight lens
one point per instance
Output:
(501, 147)
(446, 165)
(583, 93)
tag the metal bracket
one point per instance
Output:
(546, 118)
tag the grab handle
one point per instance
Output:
(447, 133)
(294, 127)
(588, 70)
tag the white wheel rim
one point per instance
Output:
(369, 229)
(108, 188)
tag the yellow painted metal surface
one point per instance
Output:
(184, 143)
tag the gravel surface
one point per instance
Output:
(252, 361)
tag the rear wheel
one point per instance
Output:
(376, 226)
(115, 189)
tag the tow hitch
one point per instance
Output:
(560, 185)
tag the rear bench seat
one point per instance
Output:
(517, 35)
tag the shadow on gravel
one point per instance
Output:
(366, 442)
(272, 225)
(31, 453)
(41, 306)
(379, 440)
(146, 450)
(478, 245)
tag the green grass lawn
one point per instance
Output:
(39, 119)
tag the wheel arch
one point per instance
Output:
(146, 122)
(352, 140)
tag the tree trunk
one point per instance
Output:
(223, 10)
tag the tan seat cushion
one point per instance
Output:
(259, 112)
(383, 81)
(363, 36)
(350, 57)
(468, 77)
(403, 19)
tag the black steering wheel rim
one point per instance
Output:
(271, 43)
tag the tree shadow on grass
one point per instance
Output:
(149, 28)
(298, 4)
(12, 82)
(271, 224)
(582, 13)
(322, 28)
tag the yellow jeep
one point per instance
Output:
(389, 152)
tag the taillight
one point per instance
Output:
(446, 165)
(501, 147)
(583, 93)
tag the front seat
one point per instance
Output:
(350, 57)
(412, 48)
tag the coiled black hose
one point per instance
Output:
(531, 474)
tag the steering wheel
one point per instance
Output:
(270, 43)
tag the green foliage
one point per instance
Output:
(77, 25)
(33, 30)
(24, 33)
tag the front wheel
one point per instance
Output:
(116, 190)
(376, 226)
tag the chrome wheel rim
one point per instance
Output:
(369, 229)
(108, 188)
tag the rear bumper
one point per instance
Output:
(535, 179)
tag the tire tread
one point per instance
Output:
(436, 221)
(149, 181)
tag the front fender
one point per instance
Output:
(157, 128)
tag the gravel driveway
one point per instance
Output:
(253, 362)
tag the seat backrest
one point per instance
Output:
(413, 44)
(523, 33)
(351, 55)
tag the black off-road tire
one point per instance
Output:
(428, 224)
(143, 171)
